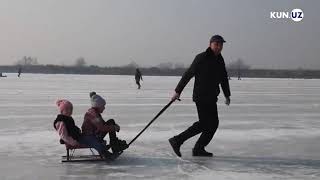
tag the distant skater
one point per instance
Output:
(138, 77)
(239, 72)
(19, 71)
(1, 75)
(209, 71)
(239, 75)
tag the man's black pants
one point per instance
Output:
(138, 83)
(207, 125)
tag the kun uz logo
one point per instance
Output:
(295, 15)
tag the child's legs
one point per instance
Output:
(93, 142)
(112, 135)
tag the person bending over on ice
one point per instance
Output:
(94, 124)
(71, 135)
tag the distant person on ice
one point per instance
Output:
(95, 125)
(138, 77)
(1, 75)
(19, 71)
(71, 135)
(209, 71)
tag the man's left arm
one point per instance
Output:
(225, 83)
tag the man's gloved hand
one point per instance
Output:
(228, 101)
(175, 96)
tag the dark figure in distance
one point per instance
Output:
(19, 71)
(138, 77)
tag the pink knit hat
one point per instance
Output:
(63, 104)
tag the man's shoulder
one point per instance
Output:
(220, 56)
(221, 59)
(201, 55)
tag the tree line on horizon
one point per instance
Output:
(235, 69)
(81, 62)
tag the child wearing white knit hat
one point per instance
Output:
(94, 124)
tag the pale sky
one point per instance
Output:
(150, 32)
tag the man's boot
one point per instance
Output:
(200, 151)
(175, 146)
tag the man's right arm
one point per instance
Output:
(187, 76)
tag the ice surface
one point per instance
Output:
(270, 131)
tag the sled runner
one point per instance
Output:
(71, 157)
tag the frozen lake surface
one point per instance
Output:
(270, 131)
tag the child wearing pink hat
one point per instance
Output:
(94, 124)
(70, 134)
(64, 124)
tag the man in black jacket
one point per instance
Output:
(209, 71)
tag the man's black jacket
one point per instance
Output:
(209, 71)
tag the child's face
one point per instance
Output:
(67, 111)
(101, 109)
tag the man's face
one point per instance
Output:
(216, 47)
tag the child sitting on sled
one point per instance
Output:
(94, 124)
(71, 135)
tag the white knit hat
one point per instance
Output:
(96, 100)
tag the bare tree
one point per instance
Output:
(178, 65)
(238, 65)
(132, 64)
(80, 62)
(27, 61)
(167, 65)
